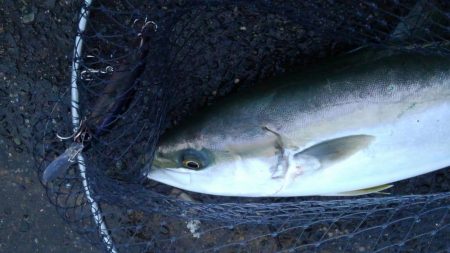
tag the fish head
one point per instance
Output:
(184, 162)
(205, 166)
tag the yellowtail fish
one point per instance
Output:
(349, 127)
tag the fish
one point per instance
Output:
(347, 127)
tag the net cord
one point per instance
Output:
(95, 210)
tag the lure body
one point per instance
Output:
(113, 101)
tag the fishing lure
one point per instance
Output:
(116, 98)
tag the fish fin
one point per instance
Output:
(332, 151)
(376, 189)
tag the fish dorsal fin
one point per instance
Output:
(376, 189)
(335, 150)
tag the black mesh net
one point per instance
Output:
(146, 65)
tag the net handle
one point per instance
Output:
(95, 210)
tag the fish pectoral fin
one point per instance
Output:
(334, 150)
(376, 189)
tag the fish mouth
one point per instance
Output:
(156, 167)
(176, 170)
(177, 177)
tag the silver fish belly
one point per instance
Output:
(341, 129)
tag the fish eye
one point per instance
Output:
(193, 159)
(191, 164)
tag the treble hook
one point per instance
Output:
(61, 138)
(62, 163)
(144, 29)
(73, 135)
